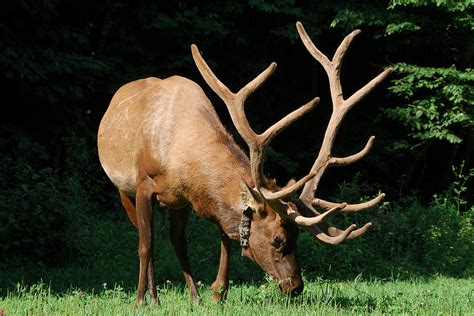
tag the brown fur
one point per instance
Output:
(161, 140)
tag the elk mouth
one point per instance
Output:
(291, 286)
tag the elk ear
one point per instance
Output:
(249, 198)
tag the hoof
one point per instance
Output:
(196, 300)
(219, 295)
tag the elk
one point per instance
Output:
(161, 141)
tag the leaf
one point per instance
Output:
(395, 28)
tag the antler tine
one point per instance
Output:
(310, 221)
(334, 161)
(308, 43)
(350, 207)
(269, 195)
(257, 142)
(216, 85)
(253, 85)
(362, 92)
(334, 236)
(333, 240)
(334, 232)
(283, 123)
(342, 49)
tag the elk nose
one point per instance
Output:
(292, 286)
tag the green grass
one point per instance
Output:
(437, 296)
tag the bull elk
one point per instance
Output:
(161, 141)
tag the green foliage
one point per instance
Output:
(53, 62)
(450, 227)
(458, 188)
(43, 209)
(408, 238)
(29, 225)
(399, 17)
(206, 25)
(32, 219)
(403, 27)
(459, 5)
(438, 102)
(452, 20)
(280, 6)
(53, 73)
(349, 18)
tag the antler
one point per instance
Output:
(257, 142)
(325, 159)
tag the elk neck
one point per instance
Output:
(221, 166)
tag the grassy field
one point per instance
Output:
(437, 296)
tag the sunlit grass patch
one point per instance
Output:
(438, 296)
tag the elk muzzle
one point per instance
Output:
(291, 286)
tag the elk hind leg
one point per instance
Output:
(144, 211)
(178, 220)
(131, 210)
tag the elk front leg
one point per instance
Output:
(221, 284)
(178, 220)
(131, 210)
(144, 211)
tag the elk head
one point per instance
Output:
(270, 220)
(269, 240)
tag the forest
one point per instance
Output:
(61, 61)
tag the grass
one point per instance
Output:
(437, 296)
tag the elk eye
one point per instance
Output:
(277, 241)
